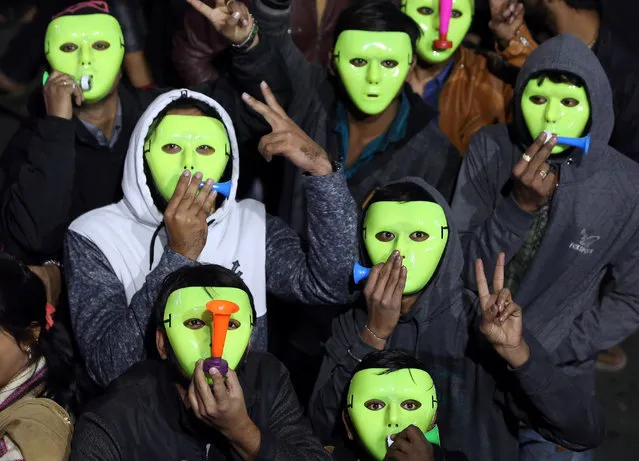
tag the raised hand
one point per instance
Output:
(383, 294)
(231, 18)
(410, 445)
(288, 139)
(501, 321)
(60, 92)
(535, 183)
(506, 17)
(185, 216)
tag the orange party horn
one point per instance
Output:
(222, 311)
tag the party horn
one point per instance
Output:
(582, 143)
(360, 272)
(445, 12)
(86, 81)
(433, 436)
(223, 188)
(222, 311)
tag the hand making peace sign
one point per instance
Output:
(231, 18)
(288, 139)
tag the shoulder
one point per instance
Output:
(107, 216)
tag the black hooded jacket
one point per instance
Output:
(442, 331)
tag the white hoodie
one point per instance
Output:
(124, 231)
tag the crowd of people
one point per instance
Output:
(353, 233)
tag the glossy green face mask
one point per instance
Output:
(419, 230)
(186, 142)
(188, 325)
(561, 108)
(426, 13)
(88, 47)
(373, 66)
(381, 404)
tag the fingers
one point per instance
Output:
(193, 399)
(512, 310)
(219, 388)
(503, 299)
(209, 203)
(203, 390)
(524, 163)
(239, 14)
(413, 434)
(390, 292)
(371, 283)
(198, 204)
(191, 191)
(214, 15)
(540, 157)
(178, 194)
(498, 278)
(391, 265)
(265, 111)
(233, 384)
(271, 101)
(272, 144)
(482, 283)
(401, 283)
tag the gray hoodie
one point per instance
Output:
(442, 331)
(592, 228)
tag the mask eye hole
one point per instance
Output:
(358, 62)
(68, 47)
(194, 324)
(570, 102)
(171, 148)
(539, 100)
(419, 236)
(101, 45)
(374, 405)
(455, 14)
(426, 11)
(384, 236)
(205, 150)
(411, 405)
(234, 324)
(389, 63)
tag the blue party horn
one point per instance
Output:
(360, 272)
(223, 188)
(582, 143)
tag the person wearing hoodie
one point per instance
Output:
(117, 256)
(180, 408)
(68, 158)
(360, 108)
(452, 79)
(489, 372)
(566, 219)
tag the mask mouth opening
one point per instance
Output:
(372, 95)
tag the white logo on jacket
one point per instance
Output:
(585, 243)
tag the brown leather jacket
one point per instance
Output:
(471, 99)
(195, 47)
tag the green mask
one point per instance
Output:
(426, 13)
(419, 230)
(381, 404)
(186, 142)
(561, 108)
(89, 46)
(373, 66)
(189, 328)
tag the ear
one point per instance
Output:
(348, 424)
(160, 338)
(413, 63)
(432, 423)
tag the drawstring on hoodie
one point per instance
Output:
(152, 249)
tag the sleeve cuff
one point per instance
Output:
(268, 446)
(174, 261)
(513, 217)
(535, 374)
(519, 47)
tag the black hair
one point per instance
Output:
(206, 275)
(558, 77)
(182, 103)
(376, 16)
(390, 361)
(23, 302)
(593, 5)
(401, 192)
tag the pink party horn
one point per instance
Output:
(445, 12)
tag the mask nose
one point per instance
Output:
(85, 56)
(187, 158)
(392, 419)
(553, 111)
(374, 72)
